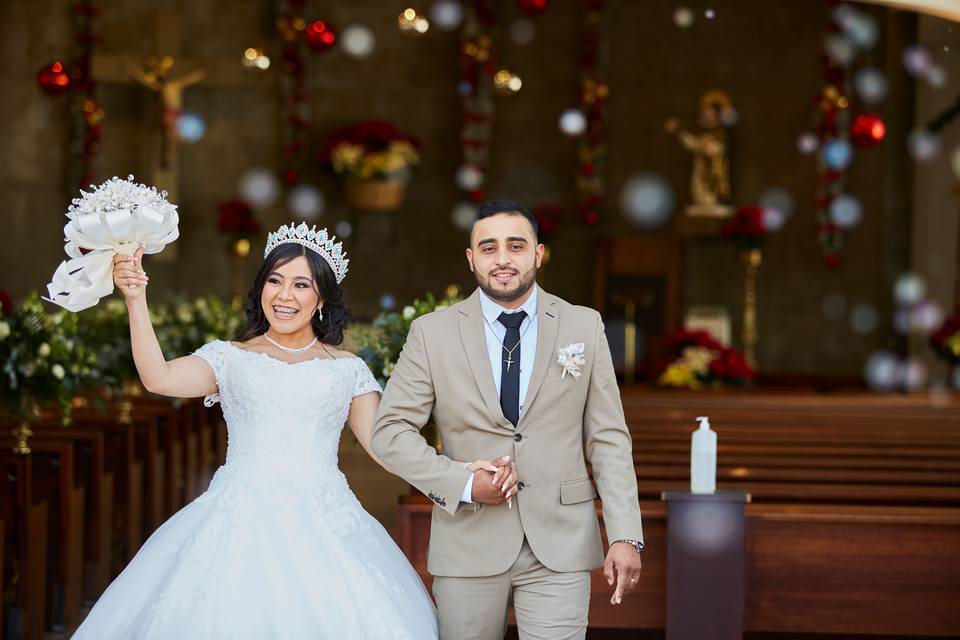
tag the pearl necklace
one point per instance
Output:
(290, 350)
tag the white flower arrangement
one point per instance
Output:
(117, 217)
(571, 358)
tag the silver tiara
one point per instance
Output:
(318, 241)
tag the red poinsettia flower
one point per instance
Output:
(236, 216)
(731, 367)
(747, 223)
(680, 339)
(6, 303)
(372, 135)
(946, 331)
(548, 218)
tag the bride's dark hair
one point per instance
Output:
(335, 312)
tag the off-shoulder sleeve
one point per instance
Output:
(213, 354)
(365, 382)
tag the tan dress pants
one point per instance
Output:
(548, 605)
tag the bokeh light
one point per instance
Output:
(647, 200)
(306, 201)
(846, 211)
(358, 41)
(260, 187)
(572, 122)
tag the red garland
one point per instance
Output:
(86, 112)
(477, 68)
(594, 90)
(296, 102)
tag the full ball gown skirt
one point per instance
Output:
(278, 546)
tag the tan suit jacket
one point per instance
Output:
(444, 370)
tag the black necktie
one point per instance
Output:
(510, 366)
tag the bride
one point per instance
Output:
(278, 546)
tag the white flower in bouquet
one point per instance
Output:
(4, 329)
(409, 312)
(58, 371)
(119, 216)
(43, 350)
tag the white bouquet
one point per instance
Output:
(119, 216)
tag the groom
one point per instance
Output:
(489, 370)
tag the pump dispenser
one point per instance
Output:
(703, 458)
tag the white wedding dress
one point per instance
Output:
(278, 546)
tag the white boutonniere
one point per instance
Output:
(571, 358)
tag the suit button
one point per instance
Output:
(517, 437)
(520, 485)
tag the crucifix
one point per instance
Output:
(163, 70)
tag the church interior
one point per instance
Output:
(760, 198)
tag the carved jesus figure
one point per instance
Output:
(155, 75)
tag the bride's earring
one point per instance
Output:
(320, 313)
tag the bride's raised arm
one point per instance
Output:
(185, 377)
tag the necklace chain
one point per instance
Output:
(290, 350)
(509, 361)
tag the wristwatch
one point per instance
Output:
(636, 544)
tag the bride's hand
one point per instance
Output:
(504, 475)
(129, 276)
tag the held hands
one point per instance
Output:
(494, 481)
(622, 563)
(129, 276)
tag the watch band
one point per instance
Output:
(636, 544)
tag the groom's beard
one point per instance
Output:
(526, 281)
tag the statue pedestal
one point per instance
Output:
(705, 565)
(715, 210)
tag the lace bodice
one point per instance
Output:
(284, 420)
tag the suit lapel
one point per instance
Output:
(475, 345)
(547, 328)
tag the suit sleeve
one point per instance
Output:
(609, 447)
(404, 409)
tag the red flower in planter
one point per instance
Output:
(372, 135)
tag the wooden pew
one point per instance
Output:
(97, 474)
(810, 569)
(25, 570)
(54, 479)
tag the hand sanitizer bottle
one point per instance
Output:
(703, 458)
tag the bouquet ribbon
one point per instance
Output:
(93, 239)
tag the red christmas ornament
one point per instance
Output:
(867, 130)
(53, 79)
(534, 7)
(319, 36)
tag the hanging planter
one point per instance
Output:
(374, 195)
(375, 162)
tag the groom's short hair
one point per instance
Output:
(506, 205)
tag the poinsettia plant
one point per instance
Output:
(946, 340)
(371, 149)
(236, 217)
(747, 226)
(694, 359)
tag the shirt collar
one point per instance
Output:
(491, 309)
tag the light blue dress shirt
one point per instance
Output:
(493, 333)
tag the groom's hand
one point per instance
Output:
(623, 565)
(488, 486)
